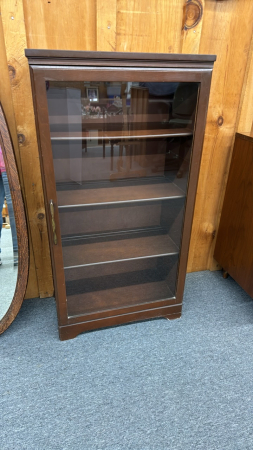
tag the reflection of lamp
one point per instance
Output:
(92, 94)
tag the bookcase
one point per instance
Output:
(120, 138)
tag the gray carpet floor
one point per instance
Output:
(174, 385)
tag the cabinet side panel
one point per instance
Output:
(235, 238)
(193, 178)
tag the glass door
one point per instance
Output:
(121, 153)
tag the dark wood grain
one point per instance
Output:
(246, 136)
(72, 330)
(234, 245)
(97, 252)
(102, 66)
(118, 194)
(19, 212)
(118, 297)
(128, 56)
(199, 129)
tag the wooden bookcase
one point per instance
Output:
(233, 249)
(120, 137)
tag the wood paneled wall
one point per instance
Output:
(221, 27)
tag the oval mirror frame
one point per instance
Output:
(20, 220)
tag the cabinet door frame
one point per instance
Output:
(42, 73)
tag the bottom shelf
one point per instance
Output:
(120, 285)
(130, 296)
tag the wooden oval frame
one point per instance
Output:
(21, 227)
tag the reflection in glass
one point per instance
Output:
(121, 159)
(8, 243)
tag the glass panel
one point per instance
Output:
(96, 234)
(121, 284)
(121, 156)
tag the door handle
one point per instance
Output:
(53, 221)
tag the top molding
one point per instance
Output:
(64, 57)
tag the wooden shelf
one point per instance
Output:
(85, 254)
(114, 298)
(117, 119)
(118, 194)
(128, 134)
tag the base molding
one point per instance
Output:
(72, 330)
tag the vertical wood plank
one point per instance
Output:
(148, 26)
(60, 25)
(6, 100)
(192, 26)
(15, 43)
(245, 113)
(106, 25)
(226, 32)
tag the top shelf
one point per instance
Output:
(128, 134)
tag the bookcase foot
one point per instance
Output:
(173, 316)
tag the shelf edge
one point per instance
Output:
(122, 260)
